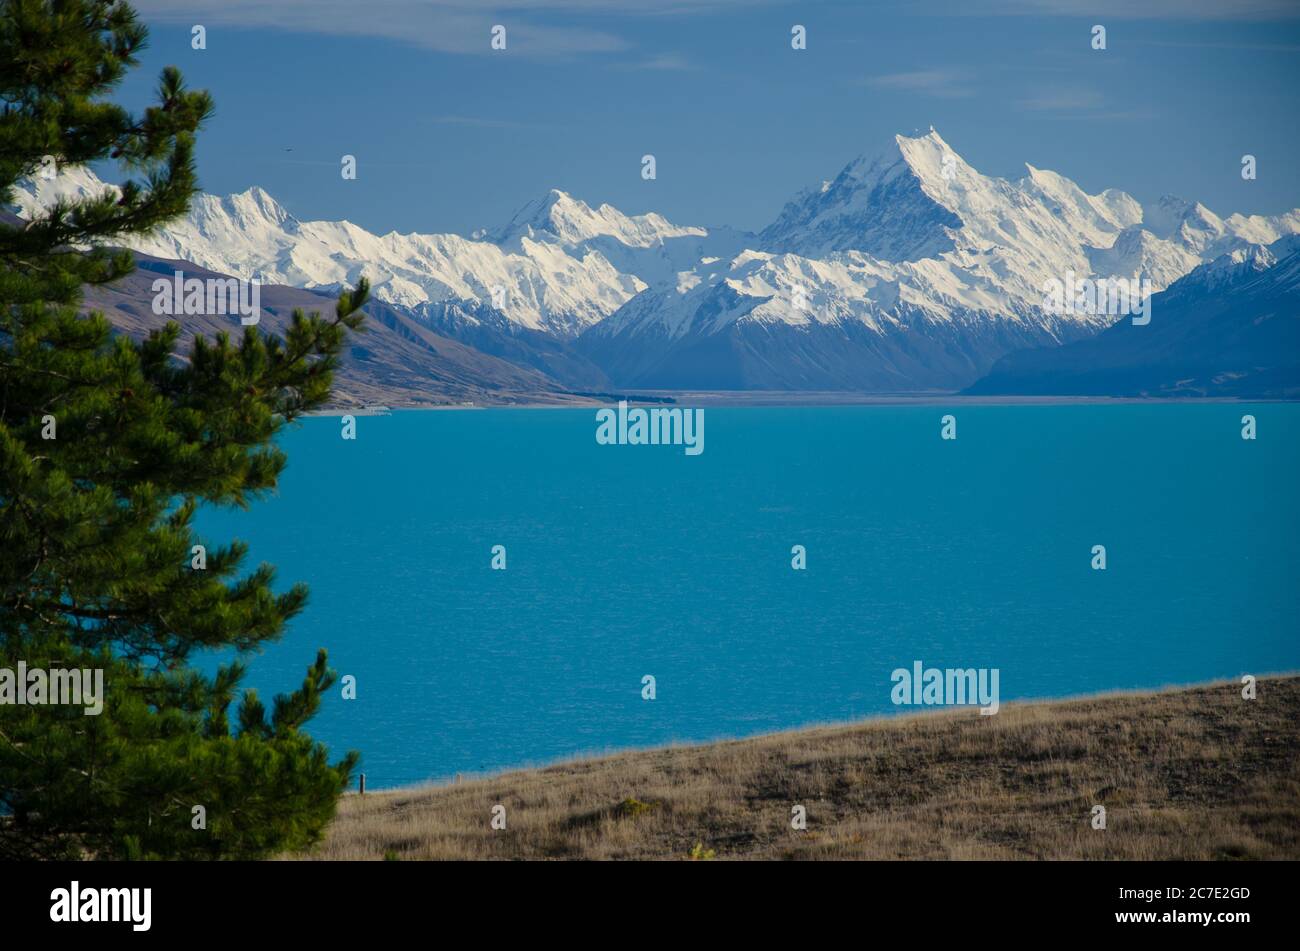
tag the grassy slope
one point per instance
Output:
(398, 361)
(1184, 774)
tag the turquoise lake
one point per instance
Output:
(624, 561)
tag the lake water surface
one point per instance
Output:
(624, 561)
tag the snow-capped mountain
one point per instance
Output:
(648, 249)
(917, 200)
(545, 272)
(1175, 236)
(908, 270)
(1229, 328)
(849, 321)
(559, 215)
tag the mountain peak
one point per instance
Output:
(547, 214)
(559, 216)
(932, 159)
(72, 182)
(1169, 212)
(1092, 217)
(1186, 223)
(557, 199)
(931, 139)
(257, 200)
(891, 203)
(922, 154)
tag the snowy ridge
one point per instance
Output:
(557, 281)
(915, 229)
(909, 239)
(1230, 328)
(572, 221)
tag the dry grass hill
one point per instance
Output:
(1194, 773)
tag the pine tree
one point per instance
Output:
(108, 447)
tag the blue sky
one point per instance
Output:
(452, 136)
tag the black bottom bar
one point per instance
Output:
(974, 900)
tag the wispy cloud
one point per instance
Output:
(534, 28)
(1098, 11)
(1063, 100)
(481, 122)
(1196, 45)
(1103, 115)
(1075, 102)
(940, 83)
(664, 61)
(446, 26)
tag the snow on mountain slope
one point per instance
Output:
(910, 243)
(1176, 236)
(911, 239)
(649, 247)
(1229, 328)
(918, 199)
(799, 291)
(555, 279)
(911, 233)
(573, 221)
(847, 321)
(1136, 252)
(1190, 223)
(1244, 263)
(887, 205)
(72, 183)
(536, 284)
(1091, 216)
(1261, 229)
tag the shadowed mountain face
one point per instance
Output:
(396, 360)
(878, 205)
(488, 330)
(1231, 328)
(912, 352)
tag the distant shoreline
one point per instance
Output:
(767, 399)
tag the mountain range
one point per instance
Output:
(1227, 329)
(909, 271)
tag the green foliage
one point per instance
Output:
(631, 808)
(699, 853)
(96, 524)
